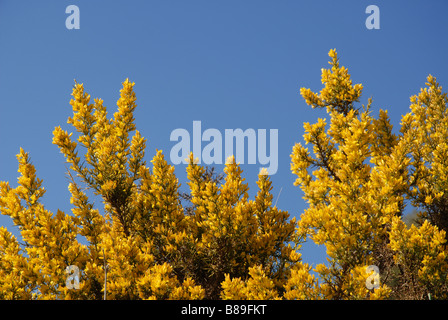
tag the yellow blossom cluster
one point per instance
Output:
(421, 253)
(149, 240)
(338, 94)
(425, 131)
(356, 184)
(142, 243)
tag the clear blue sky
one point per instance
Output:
(230, 64)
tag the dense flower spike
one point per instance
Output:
(425, 130)
(338, 94)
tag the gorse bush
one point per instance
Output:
(153, 242)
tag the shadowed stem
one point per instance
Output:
(105, 276)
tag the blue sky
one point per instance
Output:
(230, 64)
